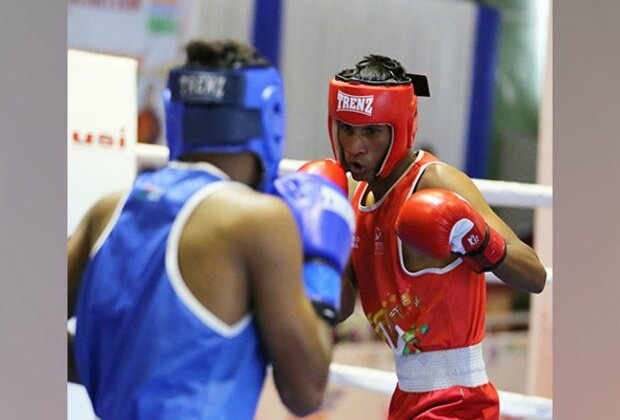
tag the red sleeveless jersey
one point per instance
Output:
(427, 310)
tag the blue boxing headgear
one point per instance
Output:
(227, 111)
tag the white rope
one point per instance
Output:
(384, 382)
(497, 193)
(515, 194)
(511, 404)
(151, 156)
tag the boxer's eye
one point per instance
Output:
(346, 128)
(373, 130)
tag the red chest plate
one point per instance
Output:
(427, 310)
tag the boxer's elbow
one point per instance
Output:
(539, 280)
(304, 401)
(532, 280)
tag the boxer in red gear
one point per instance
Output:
(424, 238)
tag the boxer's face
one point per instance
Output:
(363, 148)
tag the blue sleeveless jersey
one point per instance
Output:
(145, 347)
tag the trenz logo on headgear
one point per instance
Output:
(352, 103)
(202, 85)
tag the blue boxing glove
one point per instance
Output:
(326, 224)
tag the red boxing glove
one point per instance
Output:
(439, 222)
(329, 169)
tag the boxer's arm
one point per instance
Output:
(297, 340)
(349, 293)
(77, 256)
(82, 241)
(325, 221)
(78, 249)
(521, 268)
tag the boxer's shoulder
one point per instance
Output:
(106, 205)
(240, 212)
(440, 175)
(101, 213)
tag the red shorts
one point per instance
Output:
(457, 402)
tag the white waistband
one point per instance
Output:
(433, 370)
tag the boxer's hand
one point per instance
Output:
(439, 222)
(325, 221)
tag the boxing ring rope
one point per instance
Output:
(497, 193)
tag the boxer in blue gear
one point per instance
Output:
(189, 285)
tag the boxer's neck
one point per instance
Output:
(380, 186)
(240, 167)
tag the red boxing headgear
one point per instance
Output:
(356, 103)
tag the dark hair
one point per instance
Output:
(377, 69)
(381, 70)
(223, 54)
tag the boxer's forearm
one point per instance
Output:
(521, 269)
(349, 293)
(347, 303)
(301, 375)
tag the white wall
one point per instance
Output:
(434, 37)
(319, 38)
(101, 129)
